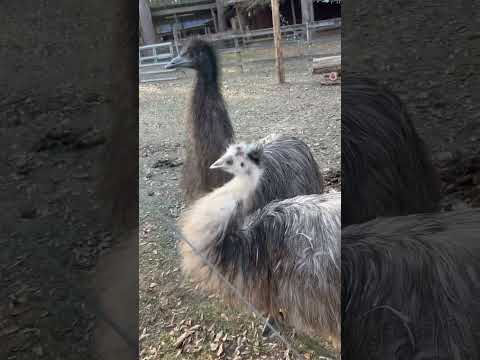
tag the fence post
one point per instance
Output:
(277, 39)
(239, 55)
(175, 37)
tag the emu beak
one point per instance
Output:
(218, 164)
(179, 61)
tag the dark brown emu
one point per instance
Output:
(411, 287)
(386, 166)
(209, 129)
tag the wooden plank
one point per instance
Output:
(157, 72)
(159, 64)
(277, 39)
(166, 44)
(327, 64)
(183, 9)
(160, 79)
(334, 59)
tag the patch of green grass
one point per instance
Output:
(313, 345)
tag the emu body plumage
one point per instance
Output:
(410, 287)
(386, 167)
(209, 130)
(285, 255)
(289, 169)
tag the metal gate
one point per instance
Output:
(152, 60)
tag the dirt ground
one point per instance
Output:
(177, 321)
(48, 245)
(435, 79)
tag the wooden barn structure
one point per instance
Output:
(183, 18)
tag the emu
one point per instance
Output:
(410, 287)
(209, 129)
(386, 167)
(285, 255)
(290, 166)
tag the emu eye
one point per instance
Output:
(229, 162)
(241, 164)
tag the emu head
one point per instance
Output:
(198, 55)
(240, 160)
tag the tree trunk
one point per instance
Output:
(146, 23)
(277, 37)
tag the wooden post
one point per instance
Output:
(277, 39)
(241, 18)
(307, 30)
(221, 16)
(235, 41)
(140, 40)
(241, 22)
(214, 20)
(307, 11)
(175, 37)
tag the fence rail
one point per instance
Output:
(233, 46)
(289, 32)
(152, 60)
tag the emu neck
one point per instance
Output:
(242, 187)
(207, 80)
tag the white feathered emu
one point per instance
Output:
(285, 255)
(411, 287)
(290, 168)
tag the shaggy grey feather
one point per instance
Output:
(289, 170)
(411, 287)
(386, 166)
(287, 255)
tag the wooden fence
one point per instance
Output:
(234, 46)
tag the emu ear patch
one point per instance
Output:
(239, 151)
(255, 154)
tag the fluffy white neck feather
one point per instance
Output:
(208, 215)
